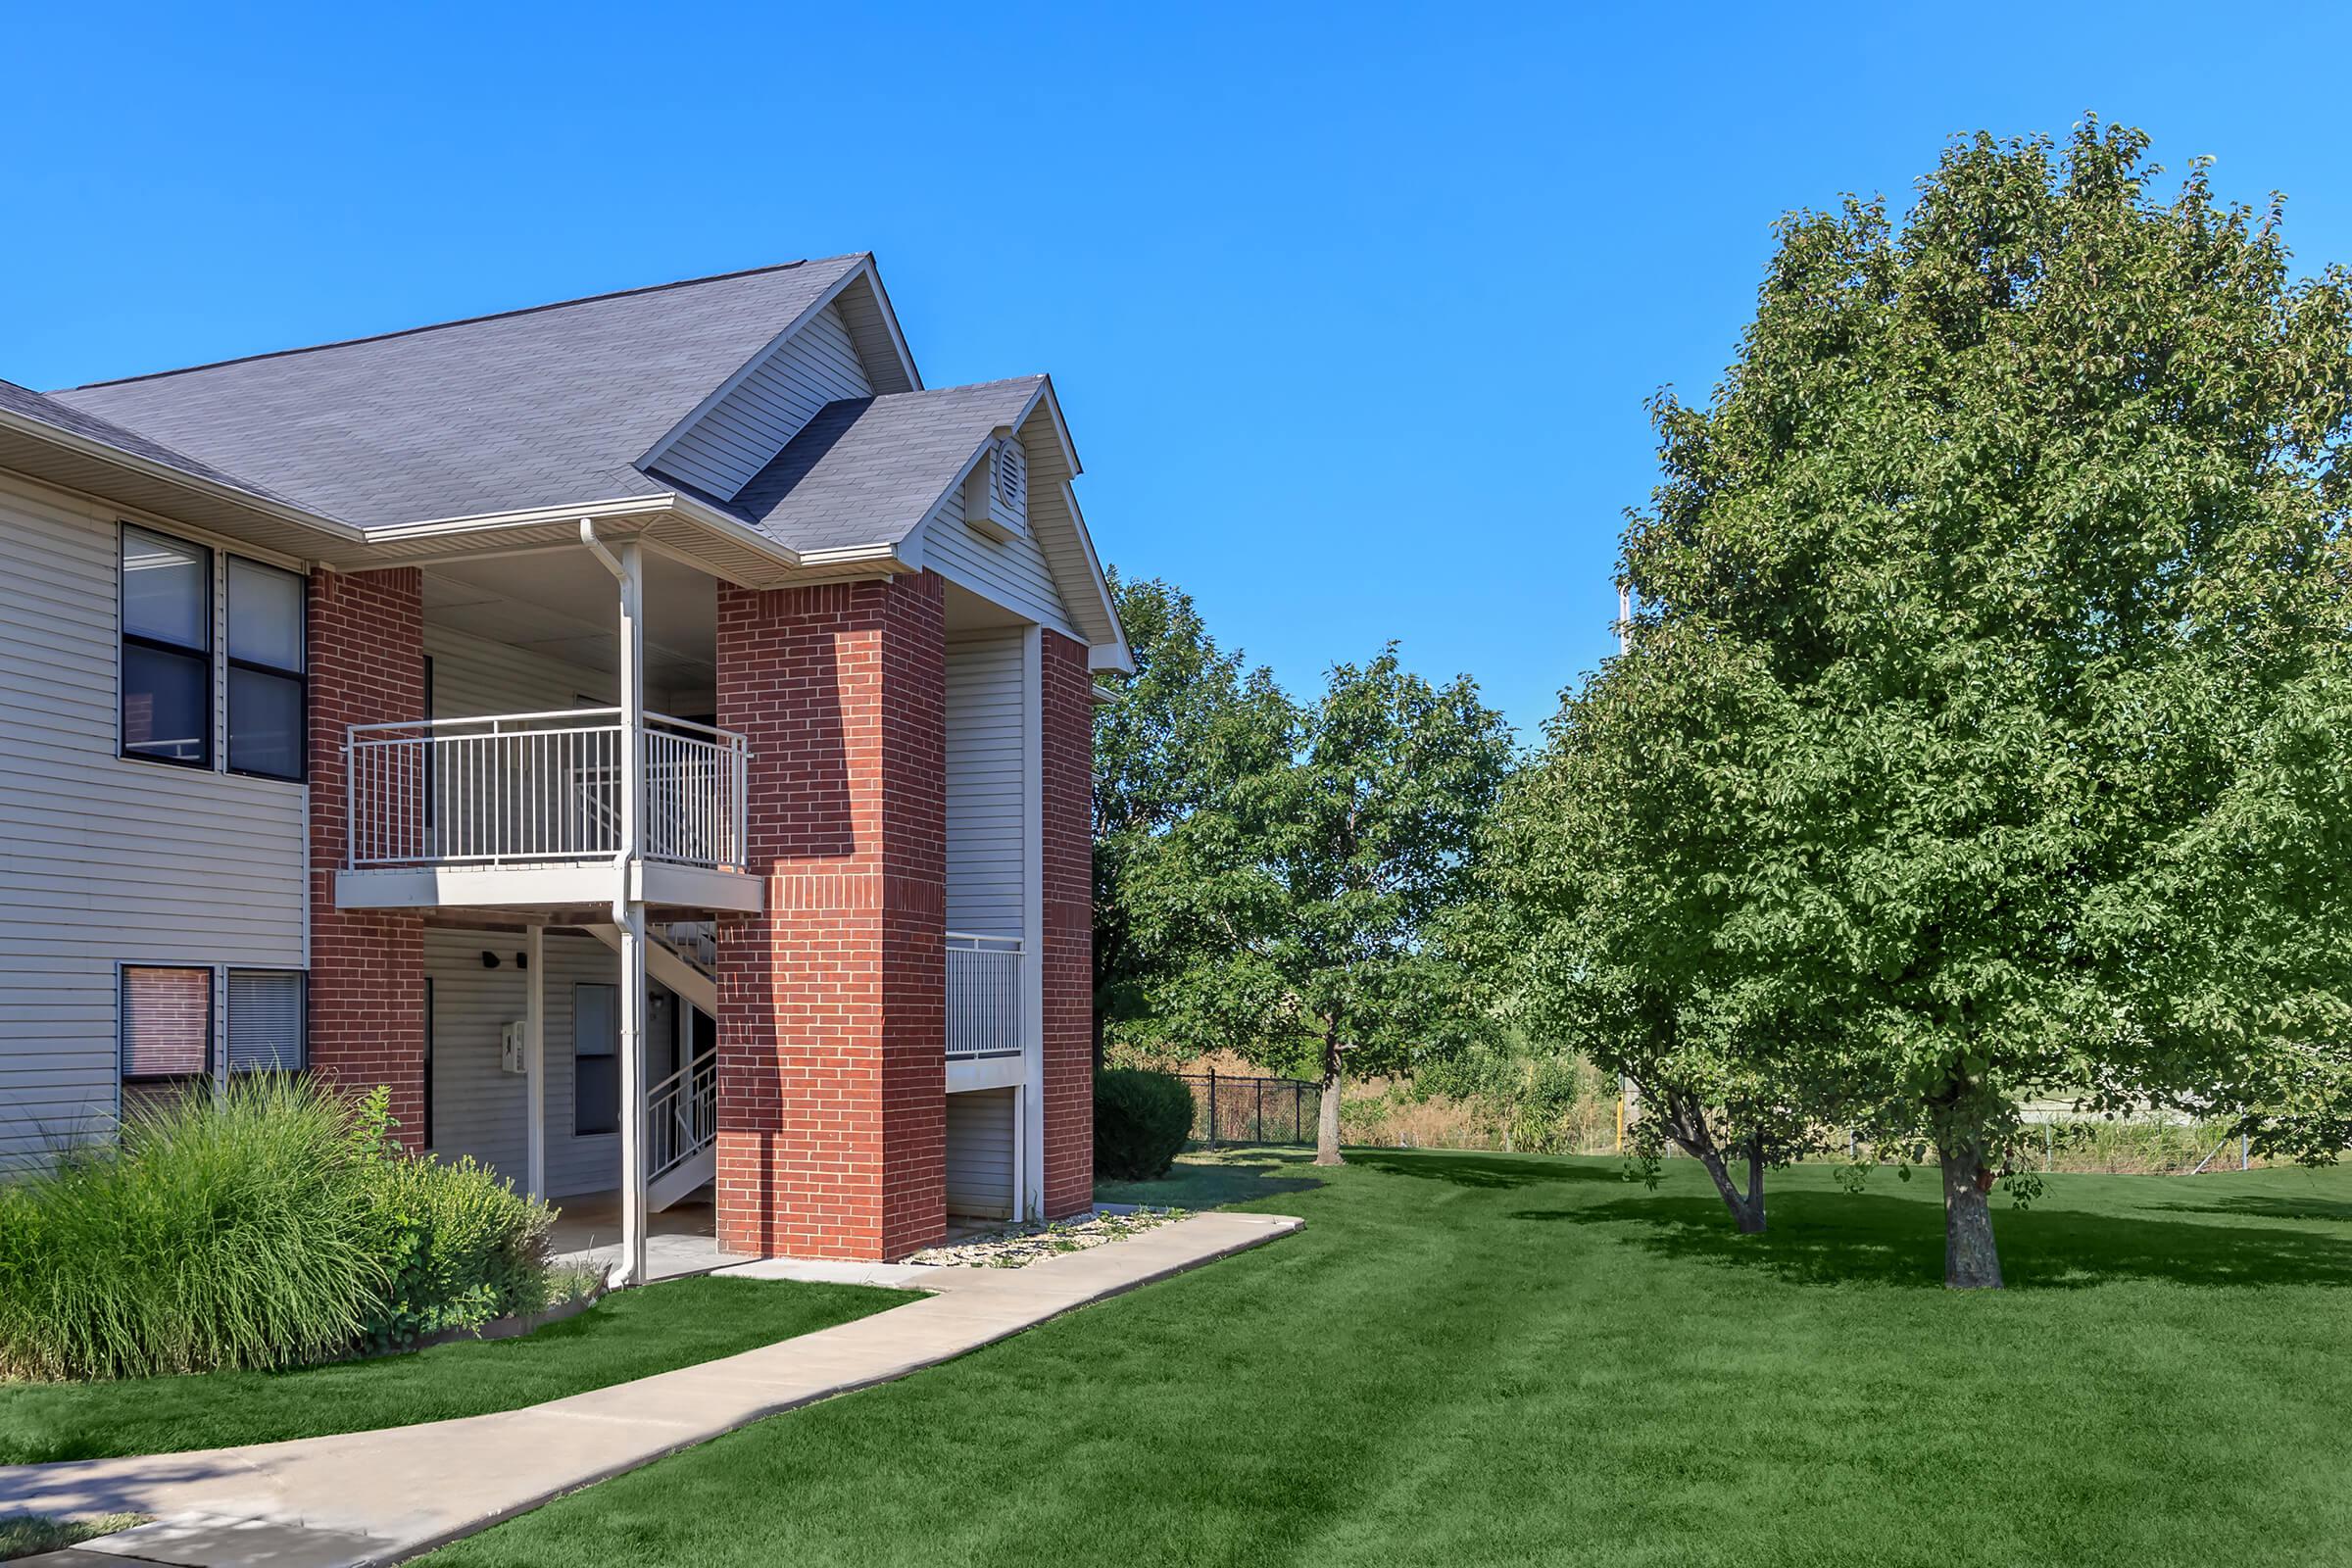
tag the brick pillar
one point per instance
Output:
(366, 982)
(832, 1073)
(1066, 772)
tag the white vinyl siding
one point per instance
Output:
(743, 431)
(103, 860)
(980, 1153)
(477, 1108)
(1014, 573)
(984, 782)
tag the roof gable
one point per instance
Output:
(543, 407)
(869, 470)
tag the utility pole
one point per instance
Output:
(1628, 1094)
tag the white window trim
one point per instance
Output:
(218, 742)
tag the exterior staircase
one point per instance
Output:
(681, 1112)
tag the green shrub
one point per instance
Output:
(272, 1225)
(216, 1233)
(460, 1248)
(1140, 1121)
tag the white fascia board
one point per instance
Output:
(885, 558)
(523, 517)
(1111, 655)
(107, 452)
(873, 272)
(744, 371)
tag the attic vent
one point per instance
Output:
(995, 497)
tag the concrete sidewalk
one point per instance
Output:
(381, 1496)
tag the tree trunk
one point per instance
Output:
(1686, 1124)
(1747, 1209)
(1971, 1261)
(1326, 1117)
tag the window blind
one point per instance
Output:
(264, 1020)
(167, 1022)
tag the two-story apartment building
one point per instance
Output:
(649, 734)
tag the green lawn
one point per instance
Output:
(1471, 1358)
(633, 1333)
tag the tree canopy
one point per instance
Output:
(1304, 906)
(1981, 736)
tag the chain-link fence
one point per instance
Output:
(1237, 1109)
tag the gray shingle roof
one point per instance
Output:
(543, 407)
(867, 470)
(49, 410)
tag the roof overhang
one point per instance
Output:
(677, 525)
(71, 460)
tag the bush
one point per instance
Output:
(1140, 1121)
(460, 1246)
(269, 1225)
(217, 1233)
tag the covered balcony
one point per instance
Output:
(529, 810)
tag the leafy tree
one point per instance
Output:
(1310, 901)
(1188, 722)
(1615, 869)
(2010, 559)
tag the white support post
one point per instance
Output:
(628, 905)
(632, 927)
(534, 1061)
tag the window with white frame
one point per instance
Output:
(264, 1021)
(595, 1059)
(170, 676)
(166, 1024)
(167, 650)
(266, 682)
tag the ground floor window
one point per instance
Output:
(166, 1030)
(595, 1059)
(265, 1021)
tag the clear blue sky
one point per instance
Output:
(1353, 312)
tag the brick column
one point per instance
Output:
(832, 1073)
(367, 981)
(1066, 772)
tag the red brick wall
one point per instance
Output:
(367, 985)
(832, 1117)
(1066, 771)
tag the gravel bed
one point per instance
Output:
(1019, 1245)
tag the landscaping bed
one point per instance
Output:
(628, 1334)
(1018, 1245)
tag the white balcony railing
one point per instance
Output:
(512, 788)
(681, 1115)
(984, 995)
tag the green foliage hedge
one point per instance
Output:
(271, 1226)
(1140, 1121)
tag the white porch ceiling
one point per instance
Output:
(564, 605)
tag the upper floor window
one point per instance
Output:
(166, 649)
(265, 697)
(168, 652)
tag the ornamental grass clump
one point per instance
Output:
(271, 1225)
(215, 1231)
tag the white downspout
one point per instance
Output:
(534, 1061)
(628, 909)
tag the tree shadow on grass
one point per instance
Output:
(2264, 1208)
(1837, 1239)
(1211, 1183)
(1479, 1170)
